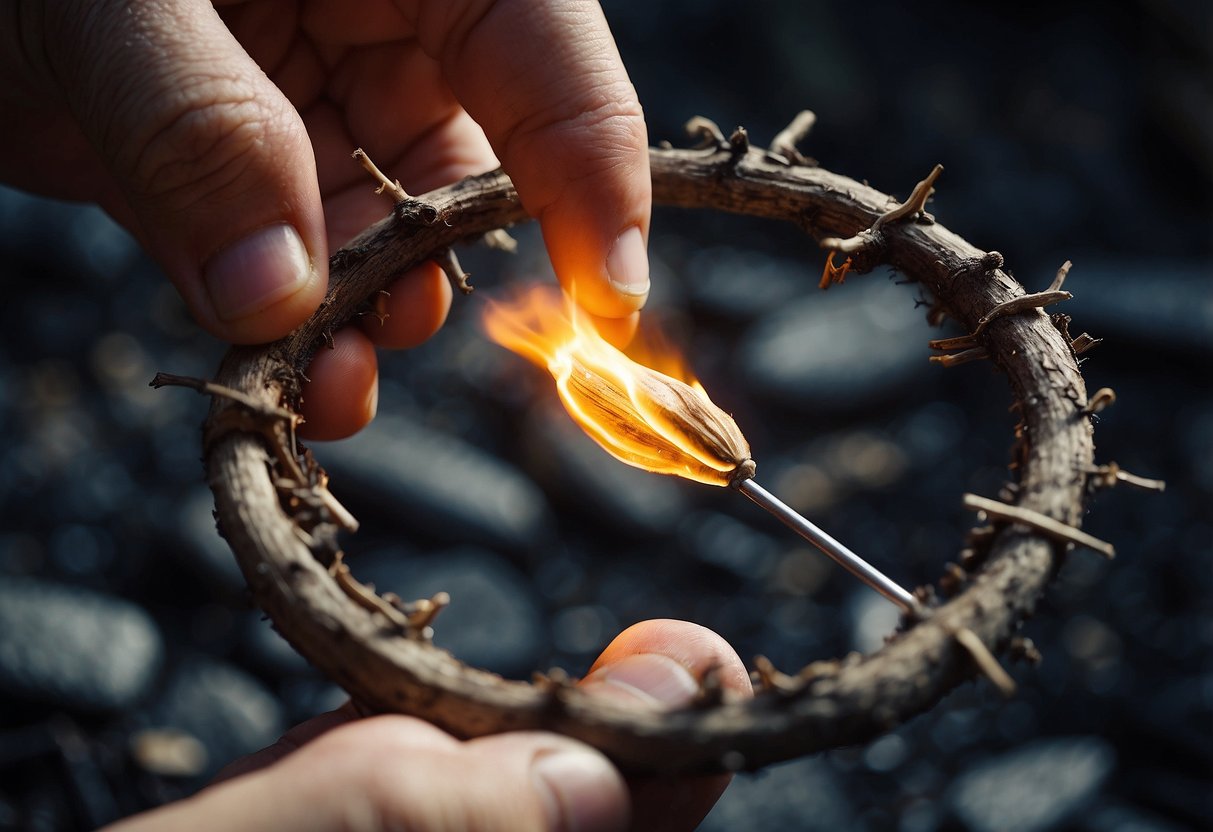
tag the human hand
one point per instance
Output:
(396, 772)
(239, 181)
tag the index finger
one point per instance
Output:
(546, 82)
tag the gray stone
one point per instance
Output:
(438, 484)
(855, 345)
(230, 712)
(73, 647)
(728, 544)
(199, 547)
(1033, 788)
(803, 794)
(743, 284)
(493, 621)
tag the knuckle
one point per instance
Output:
(198, 147)
(606, 139)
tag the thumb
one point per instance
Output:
(546, 83)
(214, 163)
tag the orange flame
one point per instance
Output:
(646, 418)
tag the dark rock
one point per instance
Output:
(493, 620)
(1125, 818)
(438, 484)
(584, 630)
(200, 549)
(223, 707)
(743, 284)
(804, 794)
(266, 652)
(1032, 788)
(873, 619)
(73, 647)
(860, 344)
(728, 544)
(1155, 303)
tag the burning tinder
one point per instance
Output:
(640, 416)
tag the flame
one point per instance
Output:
(661, 421)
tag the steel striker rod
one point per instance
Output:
(840, 554)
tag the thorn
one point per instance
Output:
(707, 132)
(1107, 476)
(871, 237)
(956, 359)
(1061, 276)
(985, 661)
(915, 204)
(449, 264)
(388, 186)
(421, 613)
(501, 240)
(1103, 397)
(1024, 649)
(784, 147)
(739, 142)
(1040, 522)
(832, 274)
(711, 690)
(768, 678)
(365, 597)
(1085, 342)
(954, 577)
(554, 681)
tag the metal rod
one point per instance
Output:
(840, 554)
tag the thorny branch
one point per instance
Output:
(285, 541)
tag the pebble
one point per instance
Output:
(494, 619)
(200, 549)
(267, 653)
(224, 708)
(803, 794)
(74, 647)
(437, 484)
(857, 345)
(1032, 788)
(743, 284)
(724, 543)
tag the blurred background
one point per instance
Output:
(132, 664)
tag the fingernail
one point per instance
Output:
(583, 791)
(256, 272)
(628, 264)
(647, 678)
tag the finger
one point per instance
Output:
(660, 664)
(289, 742)
(618, 331)
(564, 119)
(400, 772)
(342, 392)
(413, 309)
(213, 161)
(695, 648)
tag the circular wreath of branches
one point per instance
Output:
(275, 510)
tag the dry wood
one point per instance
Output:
(832, 703)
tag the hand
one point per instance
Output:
(395, 772)
(239, 182)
